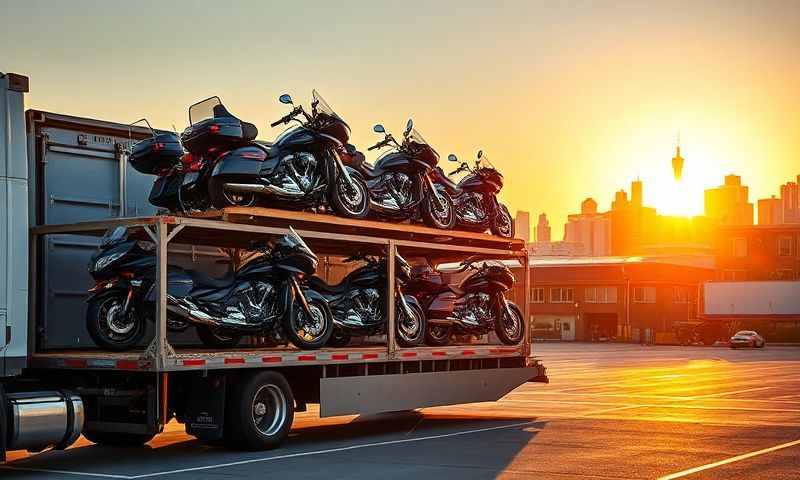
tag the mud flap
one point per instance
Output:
(205, 411)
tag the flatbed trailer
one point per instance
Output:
(128, 397)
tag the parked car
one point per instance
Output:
(747, 338)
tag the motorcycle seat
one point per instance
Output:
(456, 290)
(205, 281)
(249, 131)
(321, 286)
(269, 148)
(359, 162)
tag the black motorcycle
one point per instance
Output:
(475, 307)
(262, 298)
(400, 183)
(301, 169)
(359, 303)
(475, 197)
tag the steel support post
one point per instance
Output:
(391, 341)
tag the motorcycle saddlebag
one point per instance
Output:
(221, 132)
(165, 191)
(156, 153)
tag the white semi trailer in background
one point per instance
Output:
(64, 181)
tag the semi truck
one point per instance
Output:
(65, 181)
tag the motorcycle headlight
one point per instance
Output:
(103, 262)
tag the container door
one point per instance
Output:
(568, 328)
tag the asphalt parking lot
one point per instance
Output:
(610, 411)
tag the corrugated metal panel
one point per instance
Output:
(752, 298)
(83, 174)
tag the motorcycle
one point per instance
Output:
(301, 169)
(475, 197)
(262, 298)
(180, 184)
(359, 302)
(400, 182)
(475, 307)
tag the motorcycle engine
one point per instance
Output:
(394, 190)
(365, 307)
(295, 173)
(472, 208)
(254, 304)
(476, 311)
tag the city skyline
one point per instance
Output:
(576, 99)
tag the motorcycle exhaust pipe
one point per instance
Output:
(443, 322)
(259, 188)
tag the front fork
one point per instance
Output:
(401, 300)
(435, 193)
(342, 170)
(299, 294)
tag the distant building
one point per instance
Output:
(631, 299)
(543, 229)
(522, 226)
(762, 252)
(770, 211)
(677, 163)
(636, 193)
(790, 201)
(557, 249)
(729, 204)
(590, 229)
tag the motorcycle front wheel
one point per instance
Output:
(510, 328)
(310, 332)
(109, 326)
(410, 326)
(502, 224)
(350, 200)
(439, 216)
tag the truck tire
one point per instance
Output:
(259, 412)
(118, 439)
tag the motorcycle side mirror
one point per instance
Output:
(409, 126)
(480, 154)
(378, 128)
(286, 99)
(452, 158)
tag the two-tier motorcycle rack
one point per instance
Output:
(326, 235)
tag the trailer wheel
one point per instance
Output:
(118, 439)
(260, 411)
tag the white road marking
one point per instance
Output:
(737, 458)
(64, 472)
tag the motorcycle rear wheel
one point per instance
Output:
(339, 338)
(437, 336)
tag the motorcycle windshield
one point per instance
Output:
(485, 160)
(321, 106)
(416, 137)
(209, 108)
(296, 241)
(114, 237)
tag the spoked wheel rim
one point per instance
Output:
(512, 324)
(409, 326)
(353, 195)
(269, 410)
(115, 325)
(442, 214)
(309, 327)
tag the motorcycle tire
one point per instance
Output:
(296, 326)
(506, 228)
(214, 338)
(444, 220)
(411, 339)
(339, 338)
(105, 331)
(516, 335)
(356, 206)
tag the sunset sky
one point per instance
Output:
(569, 99)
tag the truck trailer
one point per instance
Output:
(65, 181)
